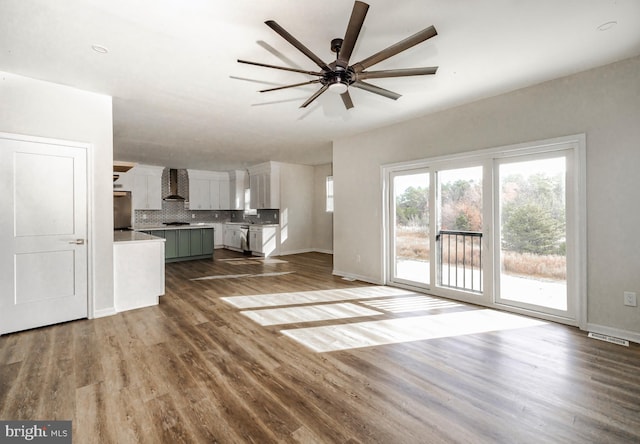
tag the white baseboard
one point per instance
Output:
(323, 251)
(358, 277)
(615, 332)
(104, 312)
(288, 252)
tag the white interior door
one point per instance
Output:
(43, 260)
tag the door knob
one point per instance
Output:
(77, 242)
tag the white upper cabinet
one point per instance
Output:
(264, 180)
(208, 190)
(146, 185)
(199, 194)
(237, 184)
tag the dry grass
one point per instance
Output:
(414, 244)
(533, 265)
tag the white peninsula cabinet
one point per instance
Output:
(138, 270)
(147, 187)
(264, 182)
(209, 190)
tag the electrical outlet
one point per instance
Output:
(144, 217)
(193, 216)
(630, 299)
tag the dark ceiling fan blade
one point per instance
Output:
(284, 68)
(291, 39)
(314, 96)
(290, 86)
(397, 48)
(376, 90)
(346, 99)
(396, 73)
(353, 30)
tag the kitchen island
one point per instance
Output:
(138, 269)
(183, 242)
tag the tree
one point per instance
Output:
(533, 213)
(412, 207)
(530, 228)
(461, 205)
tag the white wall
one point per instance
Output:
(322, 220)
(36, 108)
(296, 208)
(603, 103)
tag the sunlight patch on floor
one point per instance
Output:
(415, 328)
(293, 315)
(313, 297)
(411, 303)
(252, 260)
(267, 261)
(237, 276)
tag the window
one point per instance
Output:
(330, 194)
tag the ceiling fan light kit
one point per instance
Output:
(338, 76)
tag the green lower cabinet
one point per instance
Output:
(195, 242)
(186, 244)
(171, 243)
(207, 240)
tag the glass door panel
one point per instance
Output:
(410, 242)
(533, 234)
(459, 236)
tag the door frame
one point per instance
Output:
(89, 210)
(578, 209)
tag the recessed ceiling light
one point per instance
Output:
(607, 25)
(100, 49)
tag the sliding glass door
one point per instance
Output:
(459, 235)
(533, 232)
(499, 227)
(410, 239)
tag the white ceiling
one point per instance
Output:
(180, 99)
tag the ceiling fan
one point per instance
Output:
(338, 76)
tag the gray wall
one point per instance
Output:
(602, 103)
(36, 108)
(296, 208)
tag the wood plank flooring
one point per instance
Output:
(195, 369)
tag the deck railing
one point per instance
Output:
(460, 260)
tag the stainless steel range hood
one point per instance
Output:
(173, 187)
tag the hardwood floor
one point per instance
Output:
(196, 369)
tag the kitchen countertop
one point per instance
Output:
(153, 227)
(134, 236)
(250, 224)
